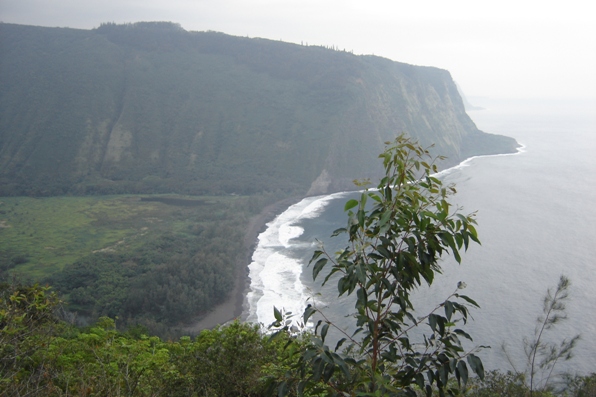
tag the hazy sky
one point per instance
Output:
(506, 48)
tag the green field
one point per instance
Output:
(155, 260)
(43, 234)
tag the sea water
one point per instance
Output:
(536, 213)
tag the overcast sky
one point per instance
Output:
(505, 48)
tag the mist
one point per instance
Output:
(502, 49)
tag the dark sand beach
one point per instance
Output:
(234, 307)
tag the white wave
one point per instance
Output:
(275, 277)
(280, 286)
(288, 232)
(468, 161)
(316, 207)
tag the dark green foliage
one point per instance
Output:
(27, 325)
(227, 361)
(151, 108)
(397, 235)
(497, 384)
(10, 259)
(42, 356)
(159, 261)
(582, 386)
(170, 280)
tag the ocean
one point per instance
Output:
(536, 213)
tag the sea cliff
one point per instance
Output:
(151, 108)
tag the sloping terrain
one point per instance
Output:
(151, 108)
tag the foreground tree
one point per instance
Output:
(397, 234)
(543, 354)
(27, 324)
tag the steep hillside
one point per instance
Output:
(151, 108)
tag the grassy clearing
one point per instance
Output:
(44, 234)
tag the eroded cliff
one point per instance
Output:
(151, 108)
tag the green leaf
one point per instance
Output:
(473, 232)
(309, 311)
(318, 366)
(385, 217)
(361, 216)
(383, 251)
(476, 365)
(340, 343)
(339, 231)
(344, 368)
(420, 380)
(318, 267)
(315, 255)
(282, 389)
(448, 310)
(463, 333)
(443, 375)
(462, 371)
(329, 370)
(432, 321)
(456, 255)
(277, 314)
(324, 331)
(375, 197)
(468, 299)
(350, 204)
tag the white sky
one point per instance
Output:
(506, 48)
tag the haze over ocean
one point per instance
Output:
(536, 221)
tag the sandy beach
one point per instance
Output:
(234, 307)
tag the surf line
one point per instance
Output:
(274, 278)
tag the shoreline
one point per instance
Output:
(234, 308)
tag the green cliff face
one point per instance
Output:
(151, 108)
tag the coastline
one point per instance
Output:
(235, 306)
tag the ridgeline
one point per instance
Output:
(151, 108)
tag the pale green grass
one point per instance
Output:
(51, 232)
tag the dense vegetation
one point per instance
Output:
(151, 108)
(41, 355)
(157, 261)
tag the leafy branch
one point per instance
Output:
(397, 234)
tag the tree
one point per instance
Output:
(228, 360)
(397, 234)
(27, 324)
(542, 355)
(103, 361)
